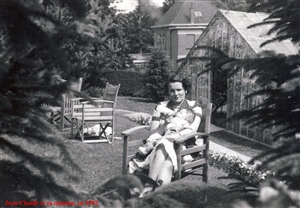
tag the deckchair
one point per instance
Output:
(199, 165)
(99, 111)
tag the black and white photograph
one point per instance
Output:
(150, 103)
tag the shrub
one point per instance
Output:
(234, 166)
(30, 84)
(131, 82)
(94, 91)
(139, 118)
(156, 75)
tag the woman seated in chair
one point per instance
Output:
(162, 159)
(177, 122)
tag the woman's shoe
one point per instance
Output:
(150, 187)
(188, 158)
(187, 170)
(143, 150)
(138, 164)
(147, 189)
(160, 182)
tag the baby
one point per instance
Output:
(181, 120)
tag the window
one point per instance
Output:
(160, 41)
(190, 40)
(198, 14)
(163, 40)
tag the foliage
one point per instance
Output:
(166, 5)
(274, 194)
(84, 52)
(234, 166)
(214, 63)
(123, 191)
(269, 192)
(278, 77)
(94, 91)
(139, 118)
(284, 19)
(219, 76)
(135, 29)
(131, 82)
(237, 5)
(281, 103)
(119, 35)
(30, 83)
(157, 73)
(250, 178)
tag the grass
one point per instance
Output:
(135, 104)
(101, 161)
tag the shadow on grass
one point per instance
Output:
(141, 100)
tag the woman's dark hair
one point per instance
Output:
(186, 84)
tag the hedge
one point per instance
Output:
(131, 82)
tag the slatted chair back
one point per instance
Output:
(111, 92)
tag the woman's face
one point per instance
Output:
(176, 92)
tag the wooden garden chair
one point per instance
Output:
(99, 111)
(200, 162)
(62, 114)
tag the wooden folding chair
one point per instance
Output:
(98, 112)
(199, 152)
(62, 114)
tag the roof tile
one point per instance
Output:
(179, 13)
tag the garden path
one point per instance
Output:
(217, 147)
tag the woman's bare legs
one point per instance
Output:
(158, 162)
(161, 168)
(166, 171)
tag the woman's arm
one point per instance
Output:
(156, 128)
(154, 125)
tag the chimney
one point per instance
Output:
(192, 14)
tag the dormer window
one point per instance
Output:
(198, 14)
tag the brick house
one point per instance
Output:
(179, 28)
(228, 31)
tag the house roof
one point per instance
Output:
(257, 35)
(180, 12)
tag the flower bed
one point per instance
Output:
(235, 166)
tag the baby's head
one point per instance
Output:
(186, 115)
